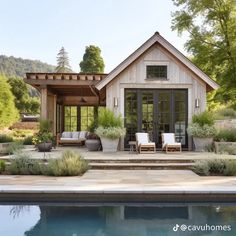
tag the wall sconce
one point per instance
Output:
(115, 102)
(197, 103)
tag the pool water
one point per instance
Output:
(117, 220)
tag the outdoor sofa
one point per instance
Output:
(72, 138)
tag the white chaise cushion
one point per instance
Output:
(75, 134)
(66, 135)
(142, 138)
(83, 134)
(169, 138)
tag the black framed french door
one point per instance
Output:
(156, 111)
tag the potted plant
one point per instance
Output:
(202, 130)
(44, 138)
(110, 129)
(93, 142)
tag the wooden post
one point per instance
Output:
(55, 114)
(44, 102)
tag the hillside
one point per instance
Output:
(12, 66)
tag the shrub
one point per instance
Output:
(5, 138)
(205, 131)
(204, 118)
(226, 113)
(71, 164)
(45, 126)
(226, 135)
(22, 133)
(2, 166)
(230, 168)
(111, 132)
(225, 149)
(216, 166)
(23, 165)
(14, 147)
(28, 140)
(201, 168)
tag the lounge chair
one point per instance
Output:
(143, 143)
(169, 144)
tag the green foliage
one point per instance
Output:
(23, 101)
(4, 138)
(28, 140)
(226, 149)
(201, 168)
(17, 67)
(22, 133)
(14, 147)
(2, 166)
(204, 118)
(107, 119)
(225, 113)
(226, 135)
(44, 134)
(111, 132)
(71, 164)
(205, 131)
(215, 167)
(230, 168)
(22, 164)
(8, 111)
(63, 65)
(92, 60)
(211, 26)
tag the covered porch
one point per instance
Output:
(69, 100)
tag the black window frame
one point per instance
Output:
(160, 72)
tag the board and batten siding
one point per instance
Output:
(179, 77)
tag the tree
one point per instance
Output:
(63, 64)
(8, 111)
(211, 25)
(92, 60)
(23, 101)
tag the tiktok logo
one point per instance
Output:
(176, 227)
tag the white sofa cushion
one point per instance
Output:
(69, 139)
(66, 135)
(75, 134)
(83, 134)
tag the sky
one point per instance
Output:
(37, 29)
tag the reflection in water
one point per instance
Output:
(113, 220)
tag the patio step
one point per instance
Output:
(141, 166)
(143, 160)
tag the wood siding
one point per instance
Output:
(179, 76)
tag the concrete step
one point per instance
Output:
(141, 166)
(127, 160)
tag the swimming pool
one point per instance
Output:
(117, 220)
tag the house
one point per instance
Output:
(156, 89)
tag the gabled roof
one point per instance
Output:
(157, 38)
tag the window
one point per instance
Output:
(70, 116)
(157, 72)
(86, 117)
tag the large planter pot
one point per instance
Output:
(201, 143)
(225, 146)
(109, 145)
(44, 147)
(93, 144)
(4, 147)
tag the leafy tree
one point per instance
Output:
(92, 60)
(8, 111)
(23, 101)
(63, 64)
(211, 25)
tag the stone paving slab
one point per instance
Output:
(121, 181)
